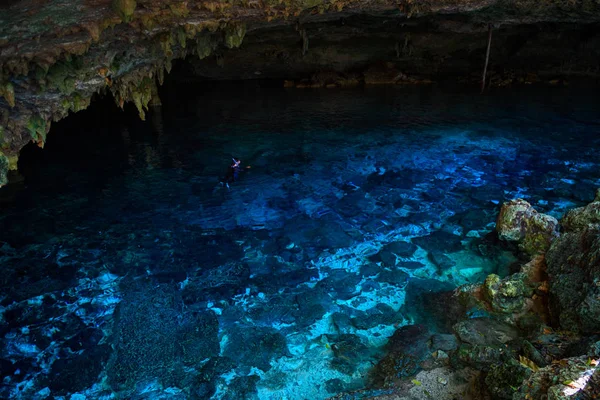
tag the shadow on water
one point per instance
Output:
(128, 268)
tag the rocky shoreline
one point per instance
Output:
(531, 335)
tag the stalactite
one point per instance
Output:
(304, 36)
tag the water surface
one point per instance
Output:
(128, 269)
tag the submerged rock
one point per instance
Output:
(439, 241)
(381, 314)
(406, 349)
(391, 252)
(519, 222)
(485, 331)
(348, 351)
(242, 387)
(432, 303)
(256, 347)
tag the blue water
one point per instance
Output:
(129, 271)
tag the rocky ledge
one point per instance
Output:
(54, 56)
(531, 335)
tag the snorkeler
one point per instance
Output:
(232, 173)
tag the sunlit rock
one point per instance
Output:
(558, 381)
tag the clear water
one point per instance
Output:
(129, 271)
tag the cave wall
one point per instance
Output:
(434, 48)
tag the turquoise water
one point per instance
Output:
(130, 271)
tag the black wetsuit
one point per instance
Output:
(232, 173)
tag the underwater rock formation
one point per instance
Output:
(530, 335)
(54, 56)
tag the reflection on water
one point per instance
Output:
(128, 269)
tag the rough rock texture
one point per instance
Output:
(485, 331)
(582, 217)
(574, 278)
(507, 295)
(54, 55)
(519, 222)
(560, 380)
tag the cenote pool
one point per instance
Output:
(128, 271)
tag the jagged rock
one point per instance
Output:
(558, 381)
(574, 280)
(507, 295)
(479, 357)
(519, 222)
(502, 378)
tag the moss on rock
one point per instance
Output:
(507, 295)
(124, 8)
(62, 75)
(37, 129)
(234, 35)
(205, 46)
(582, 217)
(478, 356)
(8, 92)
(519, 222)
(505, 378)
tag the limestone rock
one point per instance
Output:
(519, 222)
(580, 218)
(509, 294)
(503, 377)
(559, 380)
(478, 356)
(574, 280)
